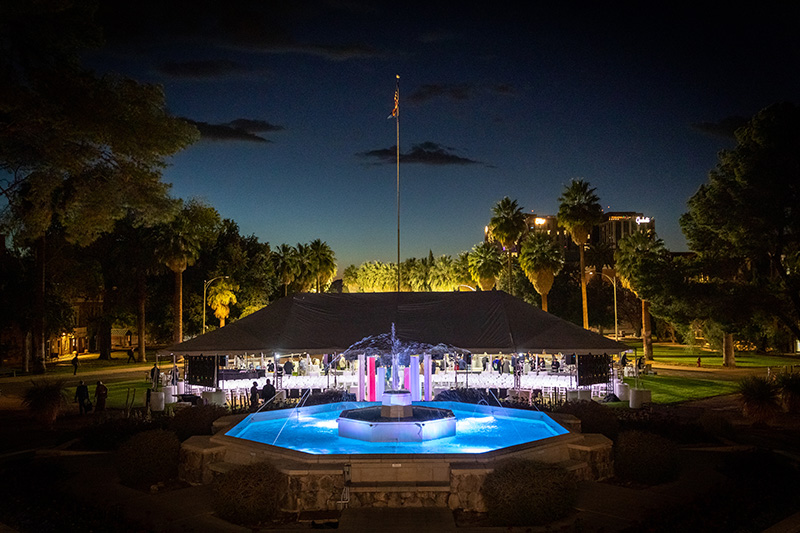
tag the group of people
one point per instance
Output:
(155, 375)
(84, 401)
(256, 395)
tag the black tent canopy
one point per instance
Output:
(490, 322)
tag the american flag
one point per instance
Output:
(396, 110)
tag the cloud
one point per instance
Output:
(241, 129)
(456, 92)
(427, 153)
(724, 128)
(253, 126)
(200, 69)
(430, 91)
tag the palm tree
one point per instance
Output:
(442, 274)
(305, 277)
(507, 226)
(461, 273)
(180, 243)
(220, 297)
(350, 279)
(323, 264)
(485, 264)
(631, 252)
(578, 212)
(541, 259)
(284, 260)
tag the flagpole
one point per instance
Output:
(397, 122)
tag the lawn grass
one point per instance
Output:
(672, 389)
(683, 355)
(118, 393)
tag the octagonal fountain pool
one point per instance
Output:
(479, 429)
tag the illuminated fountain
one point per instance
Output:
(396, 419)
(396, 452)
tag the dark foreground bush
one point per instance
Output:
(594, 417)
(108, 434)
(196, 420)
(148, 457)
(527, 493)
(645, 458)
(250, 494)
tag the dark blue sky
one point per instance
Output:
(497, 100)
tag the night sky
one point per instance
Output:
(496, 99)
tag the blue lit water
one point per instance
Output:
(479, 429)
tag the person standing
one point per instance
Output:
(254, 396)
(131, 358)
(268, 392)
(288, 367)
(155, 374)
(100, 395)
(75, 364)
(174, 374)
(82, 397)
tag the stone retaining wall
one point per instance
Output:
(318, 486)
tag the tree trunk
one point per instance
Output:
(104, 323)
(39, 341)
(177, 308)
(728, 356)
(510, 281)
(141, 303)
(544, 302)
(584, 299)
(647, 331)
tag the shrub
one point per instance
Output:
(45, 399)
(716, 425)
(196, 420)
(148, 457)
(249, 494)
(759, 398)
(789, 386)
(594, 417)
(645, 458)
(524, 493)
(109, 433)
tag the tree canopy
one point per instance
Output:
(744, 222)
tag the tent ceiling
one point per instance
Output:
(480, 322)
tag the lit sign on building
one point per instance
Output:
(539, 221)
(642, 220)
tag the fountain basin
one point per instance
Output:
(314, 430)
(396, 420)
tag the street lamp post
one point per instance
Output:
(205, 287)
(614, 283)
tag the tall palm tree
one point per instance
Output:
(541, 259)
(631, 252)
(485, 264)
(578, 212)
(220, 297)
(442, 274)
(461, 271)
(284, 260)
(306, 276)
(323, 264)
(350, 279)
(180, 243)
(507, 226)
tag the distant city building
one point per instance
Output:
(619, 224)
(549, 224)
